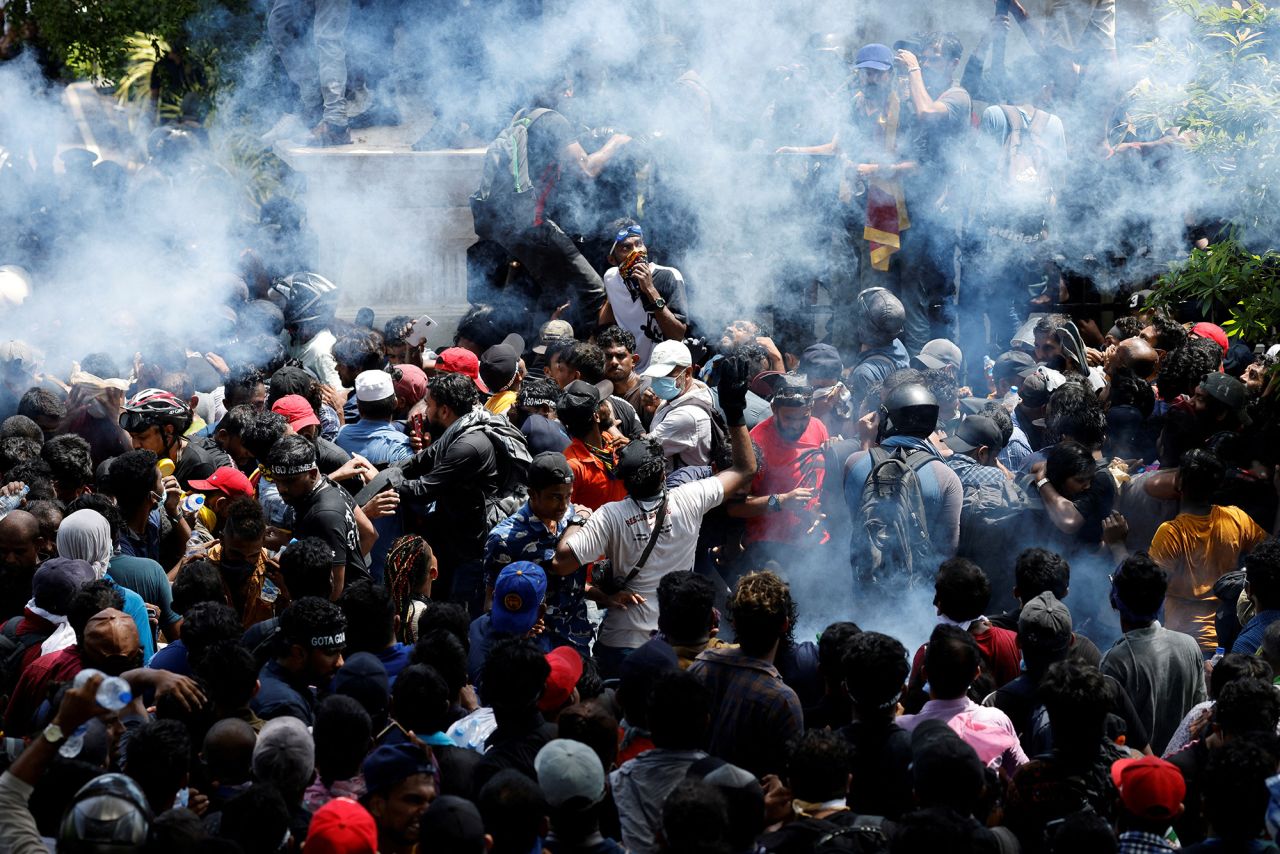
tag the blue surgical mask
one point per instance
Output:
(666, 388)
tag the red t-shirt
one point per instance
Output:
(999, 646)
(787, 465)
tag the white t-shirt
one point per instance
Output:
(629, 313)
(620, 531)
(684, 431)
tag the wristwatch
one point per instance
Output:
(575, 519)
(54, 734)
(1041, 482)
(658, 305)
(775, 504)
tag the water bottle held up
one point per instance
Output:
(165, 467)
(9, 503)
(113, 694)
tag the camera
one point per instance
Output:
(912, 45)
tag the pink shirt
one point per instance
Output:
(987, 730)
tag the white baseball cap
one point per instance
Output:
(374, 385)
(666, 357)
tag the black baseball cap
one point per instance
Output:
(454, 826)
(1228, 391)
(499, 363)
(582, 397)
(549, 468)
(633, 456)
(974, 432)
(1013, 364)
(821, 361)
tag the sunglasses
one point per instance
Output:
(134, 422)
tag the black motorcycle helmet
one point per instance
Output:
(910, 410)
(307, 297)
(109, 815)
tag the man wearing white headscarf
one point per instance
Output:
(86, 535)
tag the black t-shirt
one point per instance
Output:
(329, 513)
(329, 457)
(548, 137)
(200, 459)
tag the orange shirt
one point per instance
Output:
(592, 486)
(786, 466)
(1196, 551)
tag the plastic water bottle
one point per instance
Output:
(113, 694)
(193, 502)
(9, 503)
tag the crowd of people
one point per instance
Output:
(311, 584)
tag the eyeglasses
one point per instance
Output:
(134, 422)
(629, 231)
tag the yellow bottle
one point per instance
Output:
(165, 466)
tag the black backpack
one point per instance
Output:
(507, 199)
(512, 452)
(719, 430)
(843, 833)
(991, 525)
(891, 539)
(12, 649)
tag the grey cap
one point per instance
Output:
(939, 353)
(567, 771)
(284, 754)
(1045, 624)
(882, 314)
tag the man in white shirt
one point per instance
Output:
(623, 531)
(682, 424)
(646, 299)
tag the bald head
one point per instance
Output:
(1136, 355)
(228, 751)
(20, 541)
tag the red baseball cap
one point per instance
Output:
(342, 826)
(296, 410)
(459, 360)
(1149, 787)
(412, 385)
(228, 480)
(566, 670)
(1213, 331)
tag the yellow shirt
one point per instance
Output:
(1196, 551)
(501, 402)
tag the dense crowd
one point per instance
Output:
(303, 583)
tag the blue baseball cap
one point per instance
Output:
(519, 590)
(877, 56)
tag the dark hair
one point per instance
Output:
(1262, 571)
(306, 567)
(229, 673)
(370, 614)
(1170, 334)
(237, 420)
(515, 674)
(760, 607)
(1247, 705)
(615, 336)
(341, 734)
(92, 597)
(961, 589)
(833, 644)
(695, 819)
(1200, 474)
(1235, 786)
(244, 519)
(949, 47)
(1128, 389)
(1182, 369)
(69, 459)
(513, 809)
(360, 349)
(1000, 416)
(678, 710)
(37, 403)
(21, 427)
(587, 359)
(206, 623)
(950, 661)
(405, 570)
(240, 385)
(309, 616)
(648, 478)
(1076, 413)
(1038, 570)
(262, 431)
(131, 478)
(685, 604)
(290, 380)
(1077, 698)
(480, 324)
(875, 669)
(377, 410)
(941, 384)
(934, 829)
(441, 649)
(453, 617)
(420, 699)
(395, 330)
(158, 758)
(38, 478)
(1066, 460)
(455, 391)
(256, 819)
(1128, 326)
(16, 450)
(291, 451)
(593, 725)
(818, 766)
(1140, 584)
(177, 829)
(56, 789)
(197, 581)
(1083, 831)
(1233, 666)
